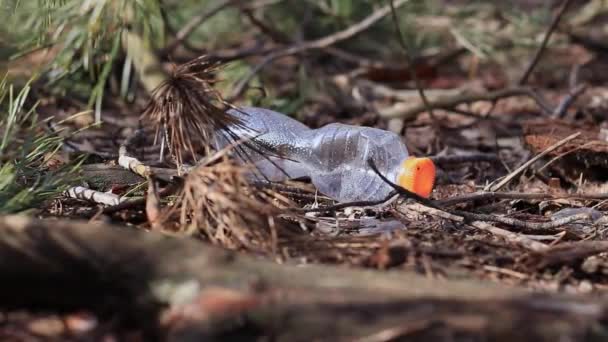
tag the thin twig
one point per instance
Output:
(131, 203)
(573, 94)
(527, 164)
(104, 198)
(477, 219)
(434, 211)
(410, 61)
(279, 37)
(321, 43)
(193, 24)
(459, 217)
(577, 148)
(484, 196)
(265, 28)
(131, 163)
(401, 190)
(516, 238)
(543, 45)
(523, 224)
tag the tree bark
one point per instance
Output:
(181, 289)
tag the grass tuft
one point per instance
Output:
(28, 175)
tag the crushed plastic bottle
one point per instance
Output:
(333, 156)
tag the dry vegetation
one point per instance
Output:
(509, 100)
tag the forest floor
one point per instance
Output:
(520, 201)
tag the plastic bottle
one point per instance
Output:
(334, 156)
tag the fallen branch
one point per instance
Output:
(405, 95)
(211, 294)
(400, 111)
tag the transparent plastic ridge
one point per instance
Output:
(333, 156)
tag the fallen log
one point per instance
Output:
(181, 289)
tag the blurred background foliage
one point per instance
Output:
(83, 38)
(30, 170)
(110, 54)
